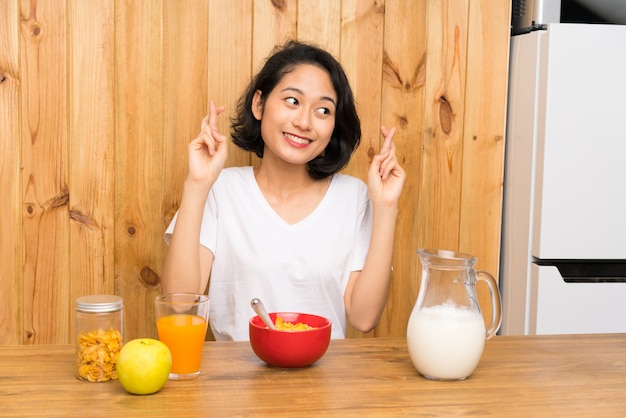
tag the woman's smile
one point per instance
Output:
(298, 141)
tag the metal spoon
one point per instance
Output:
(258, 307)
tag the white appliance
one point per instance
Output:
(563, 264)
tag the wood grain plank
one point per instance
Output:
(230, 63)
(11, 313)
(139, 156)
(362, 32)
(483, 139)
(92, 144)
(442, 157)
(485, 120)
(319, 22)
(44, 141)
(185, 94)
(403, 90)
(275, 21)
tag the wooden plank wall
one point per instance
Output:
(99, 98)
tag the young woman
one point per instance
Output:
(293, 231)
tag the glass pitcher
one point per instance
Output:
(446, 332)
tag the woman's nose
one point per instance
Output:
(303, 119)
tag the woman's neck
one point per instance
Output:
(284, 179)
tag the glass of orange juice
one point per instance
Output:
(182, 323)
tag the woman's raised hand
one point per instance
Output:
(208, 151)
(386, 176)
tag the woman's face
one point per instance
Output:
(298, 116)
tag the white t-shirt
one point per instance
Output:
(302, 267)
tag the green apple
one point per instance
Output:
(143, 366)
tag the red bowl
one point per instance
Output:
(290, 349)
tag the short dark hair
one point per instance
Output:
(246, 129)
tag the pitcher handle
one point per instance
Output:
(496, 303)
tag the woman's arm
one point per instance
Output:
(187, 263)
(367, 290)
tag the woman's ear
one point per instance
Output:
(257, 105)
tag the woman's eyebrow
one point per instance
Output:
(297, 90)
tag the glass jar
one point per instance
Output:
(99, 336)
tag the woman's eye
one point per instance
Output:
(292, 100)
(324, 110)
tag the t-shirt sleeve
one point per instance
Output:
(363, 229)
(170, 229)
(208, 227)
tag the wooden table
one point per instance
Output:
(530, 376)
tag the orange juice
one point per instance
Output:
(184, 336)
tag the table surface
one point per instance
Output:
(529, 376)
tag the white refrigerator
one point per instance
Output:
(563, 262)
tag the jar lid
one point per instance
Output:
(99, 303)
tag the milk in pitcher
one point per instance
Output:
(445, 341)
